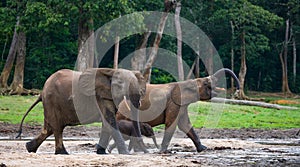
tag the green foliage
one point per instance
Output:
(160, 77)
(52, 34)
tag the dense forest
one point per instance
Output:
(258, 39)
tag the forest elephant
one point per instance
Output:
(167, 104)
(127, 130)
(71, 98)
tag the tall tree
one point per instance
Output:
(10, 58)
(18, 47)
(168, 6)
(17, 83)
(283, 59)
(248, 21)
(86, 41)
(179, 41)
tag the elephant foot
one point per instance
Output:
(140, 146)
(32, 146)
(100, 150)
(138, 149)
(165, 152)
(201, 148)
(126, 152)
(61, 151)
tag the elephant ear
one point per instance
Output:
(86, 82)
(96, 81)
(120, 85)
(185, 93)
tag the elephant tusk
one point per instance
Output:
(126, 104)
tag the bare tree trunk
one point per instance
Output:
(4, 47)
(243, 69)
(252, 103)
(209, 62)
(232, 53)
(283, 58)
(153, 53)
(86, 43)
(179, 41)
(139, 58)
(17, 84)
(294, 60)
(197, 66)
(10, 58)
(194, 68)
(116, 53)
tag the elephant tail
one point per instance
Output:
(31, 107)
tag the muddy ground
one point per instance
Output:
(226, 147)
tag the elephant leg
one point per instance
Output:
(34, 144)
(111, 128)
(185, 125)
(104, 140)
(170, 126)
(59, 145)
(169, 131)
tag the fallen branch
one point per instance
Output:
(251, 103)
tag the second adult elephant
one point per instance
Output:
(167, 104)
(71, 98)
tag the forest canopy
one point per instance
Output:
(265, 34)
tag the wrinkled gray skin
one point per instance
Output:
(127, 130)
(71, 98)
(167, 104)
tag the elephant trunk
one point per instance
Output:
(219, 73)
(154, 141)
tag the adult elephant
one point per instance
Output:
(167, 104)
(71, 98)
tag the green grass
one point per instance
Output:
(202, 114)
(212, 115)
(12, 109)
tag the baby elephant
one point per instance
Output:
(127, 129)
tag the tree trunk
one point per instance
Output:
(116, 53)
(153, 53)
(197, 66)
(86, 43)
(232, 53)
(252, 103)
(4, 48)
(179, 42)
(209, 62)
(243, 69)
(17, 84)
(10, 58)
(294, 60)
(139, 58)
(283, 58)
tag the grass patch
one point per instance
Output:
(12, 109)
(202, 114)
(212, 115)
